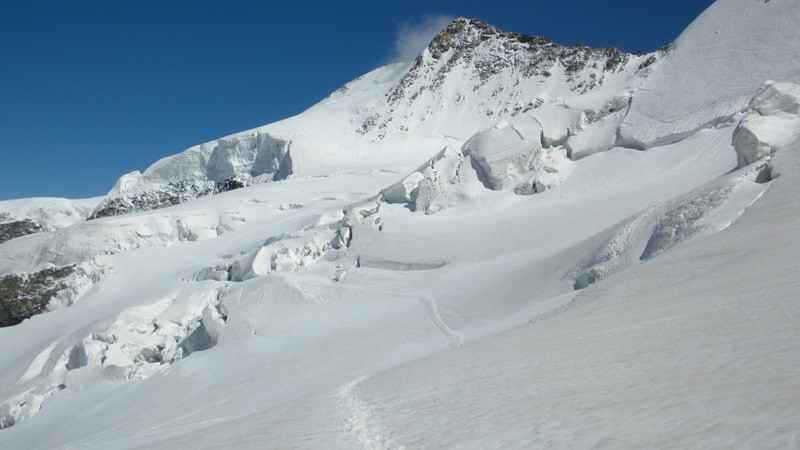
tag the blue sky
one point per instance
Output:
(91, 90)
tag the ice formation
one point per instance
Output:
(276, 283)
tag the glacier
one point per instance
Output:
(505, 242)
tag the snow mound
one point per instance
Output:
(558, 123)
(497, 158)
(85, 241)
(448, 179)
(501, 153)
(777, 98)
(596, 137)
(505, 157)
(290, 252)
(771, 123)
(248, 154)
(141, 342)
(705, 210)
(612, 251)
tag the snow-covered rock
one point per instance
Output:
(156, 197)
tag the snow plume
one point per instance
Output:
(414, 35)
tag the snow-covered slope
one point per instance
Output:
(711, 71)
(310, 282)
(697, 348)
(470, 75)
(25, 216)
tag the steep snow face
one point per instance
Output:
(251, 155)
(479, 71)
(207, 169)
(712, 70)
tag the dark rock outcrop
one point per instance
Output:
(25, 295)
(169, 194)
(18, 228)
(231, 184)
(530, 56)
(484, 70)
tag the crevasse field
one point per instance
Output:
(503, 243)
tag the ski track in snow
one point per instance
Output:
(360, 421)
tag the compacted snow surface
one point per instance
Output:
(504, 243)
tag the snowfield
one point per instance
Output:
(504, 243)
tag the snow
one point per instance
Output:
(400, 114)
(448, 179)
(595, 137)
(50, 213)
(558, 123)
(772, 123)
(446, 276)
(693, 348)
(501, 152)
(406, 280)
(713, 69)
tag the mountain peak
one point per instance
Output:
(471, 52)
(464, 34)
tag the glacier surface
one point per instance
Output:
(597, 245)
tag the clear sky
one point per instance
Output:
(91, 90)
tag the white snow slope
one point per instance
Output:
(468, 250)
